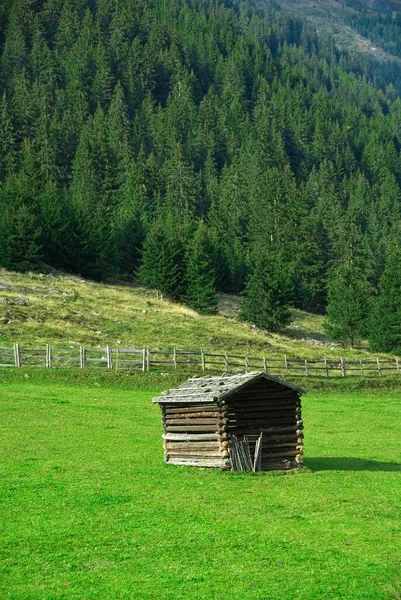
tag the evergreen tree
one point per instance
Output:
(268, 290)
(163, 266)
(21, 250)
(385, 322)
(201, 293)
(349, 293)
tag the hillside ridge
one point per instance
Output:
(67, 310)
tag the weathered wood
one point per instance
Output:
(109, 358)
(257, 461)
(193, 445)
(189, 428)
(266, 414)
(197, 454)
(198, 462)
(193, 436)
(82, 357)
(48, 356)
(183, 399)
(194, 415)
(17, 360)
(194, 422)
(185, 409)
(280, 454)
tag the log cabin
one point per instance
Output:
(248, 422)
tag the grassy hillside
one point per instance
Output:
(90, 511)
(68, 311)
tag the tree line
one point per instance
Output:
(200, 146)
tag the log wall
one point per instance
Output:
(274, 410)
(195, 435)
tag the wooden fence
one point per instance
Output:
(143, 359)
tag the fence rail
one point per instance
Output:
(143, 359)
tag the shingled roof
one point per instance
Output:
(212, 389)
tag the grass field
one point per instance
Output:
(90, 511)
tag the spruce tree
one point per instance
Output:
(349, 292)
(201, 293)
(23, 251)
(385, 322)
(268, 290)
(162, 266)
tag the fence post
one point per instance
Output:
(286, 363)
(398, 366)
(246, 364)
(147, 359)
(82, 357)
(48, 356)
(343, 369)
(175, 358)
(264, 364)
(203, 360)
(225, 362)
(379, 368)
(16, 355)
(144, 359)
(361, 363)
(108, 356)
(326, 367)
(117, 357)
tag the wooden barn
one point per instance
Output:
(238, 422)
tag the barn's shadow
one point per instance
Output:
(348, 463)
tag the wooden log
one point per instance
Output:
(249, 430)
(204, 453)
(200, 462)
(185, 409)
(276, 465)
(261, 404)
(173, 445)
(192, 436)
(194, 422)
(270, 414)
(280, 454)
(194, 415)
(190, 428)
(264, 409)
(269, 446)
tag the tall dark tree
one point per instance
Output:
(268, 290)
(201, 292)
(385, 322)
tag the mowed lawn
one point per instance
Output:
(90, 511)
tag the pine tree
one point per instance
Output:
(162, 266)
(23, 250)
(385, 322)
(349, 292)
(268, 290)
(201, 293)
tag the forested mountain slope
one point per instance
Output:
(193, 144)
(371, 29)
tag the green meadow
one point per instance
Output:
(90, 511)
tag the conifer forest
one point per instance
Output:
(202, 146)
